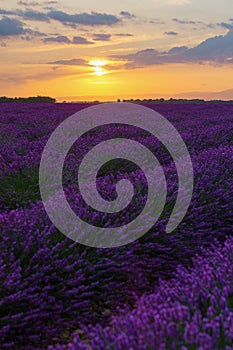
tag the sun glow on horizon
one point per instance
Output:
(97, 67)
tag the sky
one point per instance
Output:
(89, 50)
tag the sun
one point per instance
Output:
(97, 66)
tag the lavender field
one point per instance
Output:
(163, 291)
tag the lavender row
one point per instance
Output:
(191, 311)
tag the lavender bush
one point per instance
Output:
(191, 311)
(51, 286)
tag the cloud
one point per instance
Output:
(77, 40)
(34, 33)
(14, 27)
(71, 62)
(34, 3)
(127, 14)
(28, 3)
(27, 14)
(88, 19)
(6, 12)
(33, 15)
(123, 34)
(211, 25)
(58, 39)
(20, 77)
(93, 19)
(178, 50)
(156, 21)
(226, 25)
(10, 27)
(52, 2)
(170, 33)
(218, 49)
(194, 23)
(101, 37)
(180, 21)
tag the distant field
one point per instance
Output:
(51, 286)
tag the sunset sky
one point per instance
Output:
(85, 50)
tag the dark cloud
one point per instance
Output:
(26, 38)
(27, 14)
(34, 3)
(211, 25)
(58, 39)
(14, 27)
(71, 62)
(178, 50)
(171, 33)
(28, 3)
(6, 12)
(34, 33)
(101, 37)
(77, 40)
(51, 2)
(180, 21)
(218, 49)
(88, 19)
(33, 15)
(226, 25)
(10, 27)
(156, 21)
(48, 8)
(93, 19)
(127, 14)
(123, 34)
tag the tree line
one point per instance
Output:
(45, 99)
(173, 100)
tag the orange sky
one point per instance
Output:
(84, 52)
